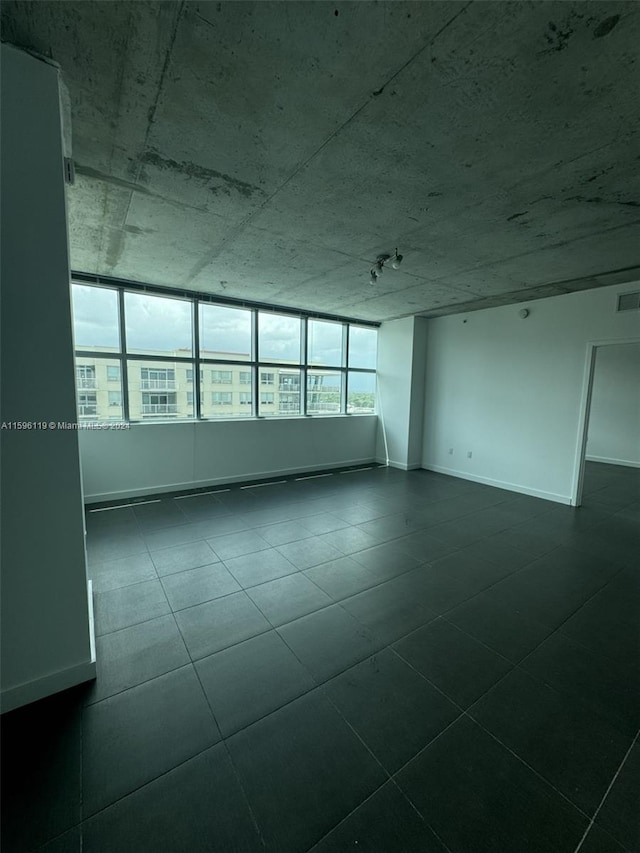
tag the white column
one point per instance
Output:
(46, 634)
(400, 370)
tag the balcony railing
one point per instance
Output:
(160, 409)
(86, 382)
(158, 384)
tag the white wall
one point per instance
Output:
(46, 639)
(614, 422)
(151, 458)
(400, 378)
(509, 390)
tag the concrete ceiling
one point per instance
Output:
(270, 151)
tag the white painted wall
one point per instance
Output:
(509, 390)
(46, 641)
(400, 377)
(614, 422)
(150, 458)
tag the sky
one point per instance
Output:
(158, 323)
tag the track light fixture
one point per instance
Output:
(378, 268)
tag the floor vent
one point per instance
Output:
(629, 301)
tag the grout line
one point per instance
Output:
(261, 485)
(122, 506)
(199, 494)
(313, 477)
(606, 793)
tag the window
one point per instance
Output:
(86, 375)
(302, 365)
(361, 397)
(87, 405)
(325, 343)
(158, 378)
(289, 381)
(95, 318)
(324, 392)
(289, 403)
(225, 333)
(363, 344)
(279, 338)
(159, 404)
(221, 398)
(153, 388)
(287, 400)
(158, 325)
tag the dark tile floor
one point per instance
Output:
(377, 661)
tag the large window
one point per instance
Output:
(150, 356)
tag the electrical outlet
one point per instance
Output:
(469, 454)
(451, 451)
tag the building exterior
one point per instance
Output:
(161, 390)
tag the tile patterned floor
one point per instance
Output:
(377, 661)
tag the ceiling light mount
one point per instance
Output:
(378, 268)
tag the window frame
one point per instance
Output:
(199, 365)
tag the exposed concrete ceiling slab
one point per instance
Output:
(269, 151)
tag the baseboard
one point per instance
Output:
(500, 484)
(39, 688)
(625, 462)
(219, 481)
(403, 465)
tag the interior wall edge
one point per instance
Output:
(607, 461)
(500, 484)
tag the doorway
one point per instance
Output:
(609, 423)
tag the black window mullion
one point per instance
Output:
(124, 368)
(256, 362)
(303, 372)
(197, 391)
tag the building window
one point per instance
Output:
(86, 376)
(289, 382)
(87, 404)
(221, 398)
(245, 377)
(157, 379)
(289, 403)
(159, 404)
(113, 373)
(267, 378)
(266, 398)
(115, 398)
(245, 398)
(221, 377)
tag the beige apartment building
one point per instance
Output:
(164, 390)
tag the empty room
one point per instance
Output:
(320, 426)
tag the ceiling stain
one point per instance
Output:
(193, 170)
(606, 26)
